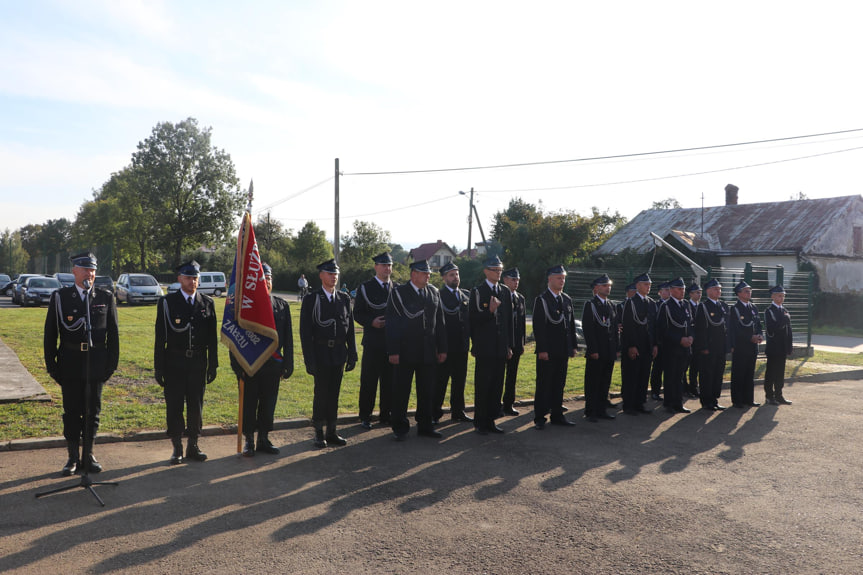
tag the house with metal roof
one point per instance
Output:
(827, 233)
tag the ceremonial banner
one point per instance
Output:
(248, 327)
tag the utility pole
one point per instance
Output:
(470, 211)
(336, 225)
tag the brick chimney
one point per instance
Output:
(731, 195)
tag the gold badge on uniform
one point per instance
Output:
(712, 314)
(485, 305)
(177, 320)
(69, 318)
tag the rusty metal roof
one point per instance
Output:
(776, 227)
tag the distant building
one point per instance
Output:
(480, 250)
(827, 233)
(437, 254)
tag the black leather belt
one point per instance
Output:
(329, 342)
(188, 352)
(82, 346)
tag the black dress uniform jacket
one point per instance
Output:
(673, 323)
(371, 303)
(599, 323)
(744, 322)
(491, 335)
(554, 331)
(710, 337)
(454, 369)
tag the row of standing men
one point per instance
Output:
(415, 332)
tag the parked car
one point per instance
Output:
(104, 282)
(66, 280)
(5, 282)
(208, 283)
(579, 334)
(137, 288)
(19, 283)
(37, 290)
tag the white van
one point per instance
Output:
(211, 283)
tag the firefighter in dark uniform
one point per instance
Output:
(490, 313)
(690, 375)
(656, 371)
(710, 345)
(511, 279)
(416, 344)
(185, 358)
(68, 350)
(777, 322)
(637, 344)
(261, 391)
(599, 323)
(675, 332)
(556, 342)
(454, 302)
(329, 349)
(744, 335)
(369, 309)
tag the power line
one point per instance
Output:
(292, 196)
(672, 177)
(591, 159)
(449, 197)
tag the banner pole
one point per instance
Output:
(240, 416)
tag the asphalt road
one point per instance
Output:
(766, 490)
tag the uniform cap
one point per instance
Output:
(777, 289)
(602, 280)
(384, 258)
(329, 266)
(420, 266)
(84, 260)
(268, 271)
(492, 262)
(677, 283)
(512, 273)
(741, 286)
(191, 268)
(555, 270)
(447, 267)
(712, 283)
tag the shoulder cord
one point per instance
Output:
(773, 317)
(548, 316)
(74, 326)
(671, 319)
(316, 313)
(455, 310)
(369, 302)
(740, 319)
(404, 311)
(599, 320)
(635, 317)
(707, 315)
(187, 327)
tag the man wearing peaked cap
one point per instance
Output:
(68, 351)
(599, 323)
(511, 279)
(416, 343)
(185, 358)
(744, 335)
(690, 383)
(638, 346)
(370, 307)
(261, 391)
(556, 343)
(779, 339)
(674, 330)
(656, 372)
(491, 334)
(454, 303)
(711, 345)
(329, 350)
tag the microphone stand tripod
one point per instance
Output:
(86, 482)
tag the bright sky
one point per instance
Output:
(287, 87)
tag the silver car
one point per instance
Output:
(37, 290)
(137, 288)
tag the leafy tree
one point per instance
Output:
(400, 255)
(666, 204)
(310, 248)
(274, 241)
(45, 243)
(190, 186)
(13, 256)
(533, 240)
(365, 242)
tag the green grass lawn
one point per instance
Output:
(132, 401)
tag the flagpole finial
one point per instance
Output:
(251, 195)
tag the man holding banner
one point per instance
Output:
(261, 391)
(329, 349)
(249, 330)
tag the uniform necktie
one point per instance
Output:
(189, 300)
(84, 295)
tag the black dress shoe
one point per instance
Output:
(495, 429)
(334, 439)
(630, 411)
(562, 421)
(366, 424)
(610, 405)
(194, 453)
(708, 408)
(539, 425)
(71, 467)
(783, 401)
(564, 408)
(249, 447)
(754, 404)
(462, 416)
(656, 397)
(320, 442)
(718, 407)
(177, 454)
(604, 415)
(264, 446)
(508, 410)
(430, 433)
(643, 409)
(682, 409)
